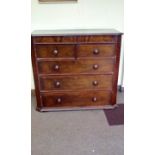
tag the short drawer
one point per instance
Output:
(55, 51)
(97, 39)
(76, 99)
(76, 82)
(54, 39)
(95, 50)
(76, 66)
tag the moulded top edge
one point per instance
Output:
(76, 32)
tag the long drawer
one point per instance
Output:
(76, 99)
(76, 66)
(76, 82)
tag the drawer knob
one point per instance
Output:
(96, 51)
(59, 100)
(94, 99)
(57, 84)
(56, 67)
(95, 66)
(95, 83)
(55, 52)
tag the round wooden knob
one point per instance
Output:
(95, 66)
(55, 52)
(96, 51)
(59, 100)
(57, 84)
(95, 83)
(56, 67)
(94, 99)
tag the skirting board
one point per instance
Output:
(120, 88)
(32, 92)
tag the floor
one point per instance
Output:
(75, 133)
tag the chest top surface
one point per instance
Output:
(69, 32)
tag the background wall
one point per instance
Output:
(80, 14)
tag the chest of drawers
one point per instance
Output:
(75, 69)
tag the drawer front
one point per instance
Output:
(54, 39)
(55, 51)
(104, 50)
(76, 66)
(74, 39)
(76, 99)
(96, 38)
(76, 82)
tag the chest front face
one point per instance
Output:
(76, 71)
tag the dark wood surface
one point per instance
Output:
(81, 66)
(67, 51)
(116, 71)
(75, 71)
(35, 73)
(74, 39)
(76, 99)
(76, 82)
(96, 50)
(55, 51)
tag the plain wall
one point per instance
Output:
(80, 14)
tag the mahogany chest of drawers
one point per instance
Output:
(75, 69)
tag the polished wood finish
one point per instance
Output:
(76, 69)
(76, 82)
(73, 39)
(116, 71)
(96, 50)
(82, 66)
(76, 99)
(55, 51)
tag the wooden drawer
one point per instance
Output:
(74, 39)
(76, 66)
(94, 50)
(96, 39)
(76, 82)
(55, 51)
(54, 39)
(76, 99)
